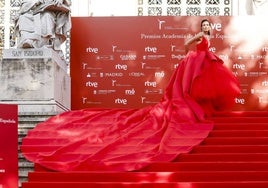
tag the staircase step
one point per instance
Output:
(33, 149)
(160, 177)
(212, 157)
(239, 133)
(201, 149)
(208, 166)
(255, 114)
(241, 126)
(210, 140)
(236, 141)
(240, 119)
(244, 184)
(195, 166)
(230, 149)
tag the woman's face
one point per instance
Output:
(205, 27)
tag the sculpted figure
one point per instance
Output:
(257, 7)
(43, 23)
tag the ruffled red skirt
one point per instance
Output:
(215, 87)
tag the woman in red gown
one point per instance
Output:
(130, 139)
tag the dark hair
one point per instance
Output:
(205, 20)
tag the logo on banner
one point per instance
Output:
(160, 24)
(7, 121)
(121, 66)
(239, 101)
(130, 91)
(136, 74)
(150, 49)
(129, 57)
(92, 84)
(159, 74)
(111, 74)
(92, 50)
(120, 101)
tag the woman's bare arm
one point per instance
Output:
(191, 41)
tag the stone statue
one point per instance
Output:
(257, 7)
(43, 23)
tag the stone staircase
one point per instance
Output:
(27, 121)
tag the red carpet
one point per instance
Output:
(235, 155)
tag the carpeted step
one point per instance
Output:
(241, 126)
(195, 166)
(231, 148)
(255, 114)
(160, 177)
(245, 184)
(201, 149)
(236, 141)
(238, 133)
(208, 166)
(198, 166)
(206, 156)
(221, 157)
(239, 119)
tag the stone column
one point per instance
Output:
(35, 79)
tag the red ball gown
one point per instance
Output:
(130, 139)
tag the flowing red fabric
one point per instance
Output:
(130, 139)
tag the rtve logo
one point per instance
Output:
(120, 101)
(92, 50)
(239, 101)
(150, 49)
(150, 84)
(92, 84)
(121, 66)
(239, 66)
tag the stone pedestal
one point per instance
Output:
(35, 79)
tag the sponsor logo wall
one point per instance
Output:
(9, 146)
(126, 62)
